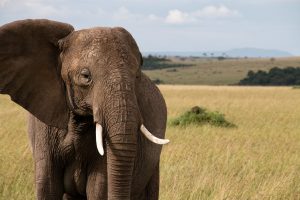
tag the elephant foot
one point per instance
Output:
(69, 197)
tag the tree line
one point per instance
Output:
(159, 62)
(275, 76)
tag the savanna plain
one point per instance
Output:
(212, 71)
(257, 159)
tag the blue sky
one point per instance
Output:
(177, 25)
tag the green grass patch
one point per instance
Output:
(200, 116)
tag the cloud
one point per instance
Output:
(177, 16)
(124, 14)
(3, 2)
(31, 7)
(153, 17)
(41, 9)
(215, 12)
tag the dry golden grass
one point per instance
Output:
(16, 165)
(258, 160)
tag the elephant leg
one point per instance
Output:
(96, 187)
(49, 180)
(152, 188)
(48, 166)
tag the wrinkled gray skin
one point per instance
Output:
(69, 80)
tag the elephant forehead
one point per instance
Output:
(94, 42)
(107, 43)
(100, 47)
(97, 38)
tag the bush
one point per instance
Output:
(157, 81)
(220, 58)
(171, 70)
(200, 116)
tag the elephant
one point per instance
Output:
(96, 122)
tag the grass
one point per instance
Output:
(16, 165)
(213, 72)
(257, 160)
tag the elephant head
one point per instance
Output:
(52, 70)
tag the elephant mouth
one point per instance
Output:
(143, 130)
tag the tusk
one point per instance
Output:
(151, 137)
(99, 141)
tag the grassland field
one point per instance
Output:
(207, 71)
(260, 159)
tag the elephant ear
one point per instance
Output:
(152, 106)
(30, 68)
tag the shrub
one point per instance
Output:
(171, 70)
(220, 58)
(200, 116)
(157, 81)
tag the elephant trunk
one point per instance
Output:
(121, 121)
(120, 118)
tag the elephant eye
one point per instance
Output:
(85, 77)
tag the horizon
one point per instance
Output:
(189, 26)
(271, 53)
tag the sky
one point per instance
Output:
(177, 25)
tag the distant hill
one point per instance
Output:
(238, 52)
(255, 52)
